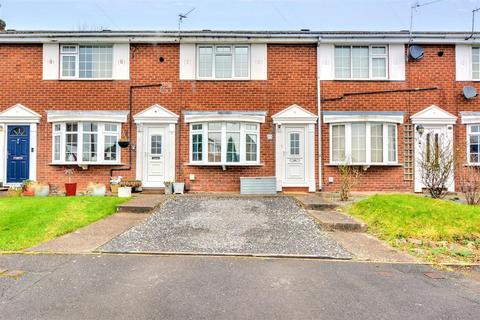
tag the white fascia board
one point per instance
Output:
(433, 121)
(363, 118)
(470, 117)
(227, 117)
(155, 39)
(149, 120)
(84, 115)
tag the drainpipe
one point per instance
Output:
(319, 112)
(130, 124)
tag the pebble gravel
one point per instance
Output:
(236, 225)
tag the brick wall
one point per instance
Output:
(291, 79)
(433, 70)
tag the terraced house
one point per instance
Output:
(209, 108)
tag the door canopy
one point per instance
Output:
(294, 115)
(433, 115)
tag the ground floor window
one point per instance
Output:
(224, 143)
(473, 148)
(363, 143)
(86, 142)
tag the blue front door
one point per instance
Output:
(18, 151)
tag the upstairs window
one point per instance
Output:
(476, 63)
(223, 62)
(361, 62)
(86, 61)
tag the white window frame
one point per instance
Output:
(371, 56)
(232, 46)
(101, 134)
(76, 54)
(243, 132)
(473, 63)
(348, 144)
(469, 134)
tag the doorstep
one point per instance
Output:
(334, 220)
(142, 203)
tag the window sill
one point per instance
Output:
(233, 79)
(471, 165)
(84, 164)
(362, 80)
(228, 164)
(81, 79)
(366, 164)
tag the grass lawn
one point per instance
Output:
(435, 230)
(28, 221)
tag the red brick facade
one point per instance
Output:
(434, 70)
(291, 79)
(292, 74)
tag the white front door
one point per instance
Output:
(434, 137)
(295, 173)
(154, 175)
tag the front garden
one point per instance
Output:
(439, 231)
(28, 221)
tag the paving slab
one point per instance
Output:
(89, 238)
(368, 248)
(315, 201)
(142, 203)
(334, 220)
(261, 226)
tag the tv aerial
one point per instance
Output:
(416, 52)
(181, 17)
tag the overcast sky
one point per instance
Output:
(451, 15)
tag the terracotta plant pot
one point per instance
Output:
(70, 189)
(29, 191)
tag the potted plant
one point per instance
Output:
(134, 184)
(14, 192)
(42, 190)
(168, 187)
(178, 187)
(97, 189)
(123, 142)
(114, 183)
(124, 190)
(70, 188)
(28, 187)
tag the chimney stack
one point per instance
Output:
(3, 25)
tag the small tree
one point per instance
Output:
(436, 164)
(469, 183)
(349, 176)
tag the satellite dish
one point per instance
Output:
(469, 92)
(416, 52)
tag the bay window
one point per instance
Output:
(85, 143)
(363, 143)
(225, 142)
(223, 61)
(473, 140)
(361, 62)
(86, 61)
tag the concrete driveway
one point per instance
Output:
(263, 226)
